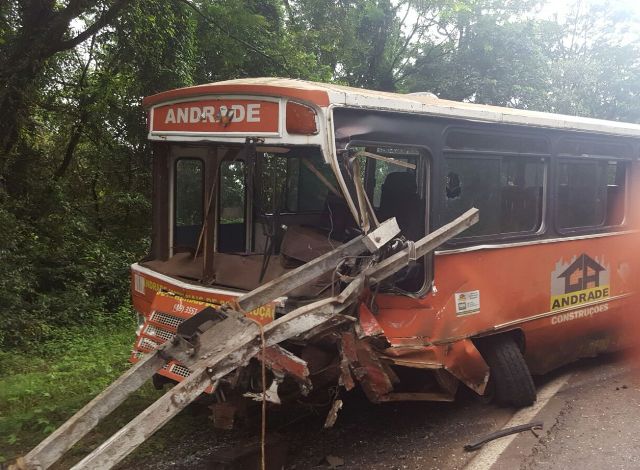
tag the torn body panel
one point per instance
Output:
(368, 355)
(365, 366)
(443, 366)
(281, 362)
(460, 358)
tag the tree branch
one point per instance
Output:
(248, 45)
(105, 18)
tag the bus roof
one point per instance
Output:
(326, 94)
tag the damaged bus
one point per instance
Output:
(253, 178)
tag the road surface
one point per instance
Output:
(590, 410)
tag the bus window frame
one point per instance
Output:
(591, 229)
(425, 166)
(548, 179)
(426, 155)
(496, 132)
(626, 146)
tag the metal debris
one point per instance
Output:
(332, 416)
(502, 433)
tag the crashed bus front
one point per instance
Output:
(248, 185)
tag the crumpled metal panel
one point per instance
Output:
(464, 361)
(461, 358)
(282, 362)
(368, 323)
(366, 367)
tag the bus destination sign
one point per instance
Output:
(216, 116)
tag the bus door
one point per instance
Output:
(188, 166)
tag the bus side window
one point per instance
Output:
(382, 171)
(394, 189)
(582, 192)
(508, 191)
(189, 201)
(616, 192)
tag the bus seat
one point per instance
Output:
(399, 198)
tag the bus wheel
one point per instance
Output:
(510, 382)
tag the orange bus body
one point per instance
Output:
(557, 294)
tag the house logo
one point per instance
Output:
(579, 281)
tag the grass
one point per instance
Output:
(42, 387)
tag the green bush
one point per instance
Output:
(43, 387)
(56, 271)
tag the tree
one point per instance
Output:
(596, 64)
(362, 43)
(33, 31)
(74, 158)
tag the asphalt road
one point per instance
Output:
(590, 411)
(593, 422)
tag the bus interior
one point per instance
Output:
(268, 210)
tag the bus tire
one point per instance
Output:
(510, 382)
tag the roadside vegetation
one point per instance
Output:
(75, 164)
(42, 387)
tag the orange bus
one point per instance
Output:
(254, 177)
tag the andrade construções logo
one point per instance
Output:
(579, 281)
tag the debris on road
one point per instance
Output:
(333, 462)
(247, 457)
(216, 342)
(502, 433)
(332, 416)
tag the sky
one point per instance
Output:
(563, 7)
(625, 10)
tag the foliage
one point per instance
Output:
(596, 67)
(74, 160)
(57, 271)
(59, 376)
(39, 390)
(75, 164)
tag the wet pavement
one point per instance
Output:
(591, 419)
(594, 422)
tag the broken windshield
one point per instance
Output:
(296, 181)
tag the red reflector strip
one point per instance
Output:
(301, 119)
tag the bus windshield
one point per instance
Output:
(242, 216)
